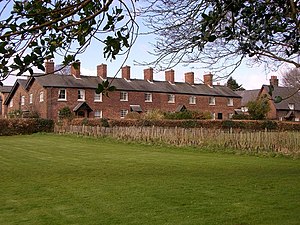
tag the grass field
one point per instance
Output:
(51, 179)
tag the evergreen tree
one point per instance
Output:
(233, 85)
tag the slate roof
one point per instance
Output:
(18, 82)
(68, 81)
(292, 95)
(5, 89)
(248, 95)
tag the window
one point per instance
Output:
(220, 116)
(23, 100)
(171, 98)
(30, 98)
(81, 95)
(123, 113)
(148, 97)
(98, 114)
(62, 95)
(244, 109)
(41, 96)
(98, 97)
(11, 103)
(123, 96)
(192, 100)
(230, 102)
(291, 106)
(212, 101)
(213, 116)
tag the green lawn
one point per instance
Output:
(50, 179)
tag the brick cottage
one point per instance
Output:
(47, 93)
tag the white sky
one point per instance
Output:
(250, 78)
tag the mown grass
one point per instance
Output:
(51, 179)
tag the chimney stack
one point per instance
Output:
(169, 76)
(148, 74)
(49, 66)
(102, 71)
(75, 69)
(189, 78)
(208, 79)
(126, 72)
(274, 81)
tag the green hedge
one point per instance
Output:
(253, 125)
(25, 126)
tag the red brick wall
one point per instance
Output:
(111, 106)
(272, 114)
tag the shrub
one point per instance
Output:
(133, 115)
(155, 114)
(18, 126)
(15, 114)
(65, 113)
(240, 117)
(104, 122)
(187, 115)
(269, 125)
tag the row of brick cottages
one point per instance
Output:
(47, 94)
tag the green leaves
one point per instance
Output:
(38, 30)
(105, 88)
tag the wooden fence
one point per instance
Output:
(279, 142)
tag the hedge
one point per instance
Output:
(253, 125)
(25, 126)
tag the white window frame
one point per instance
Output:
(30, 98)
(213, 116)
(80, 95)
(98, 114)
(123, 113)
(192, 100)
(171, 98)
(11, 103)
(230, 102)
(22, 100)
(98, 97)
(148, 97)
(291, 106)
(59, 92)
(212, 100)
(244, 109)
(41, 96)
(123, 96)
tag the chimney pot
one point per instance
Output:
(189, 78)
(75, 69)
(49, 66)
(126, 72)
(169, 76)
(148, 74)
(208, 79)
(274, 81)
(102, 71)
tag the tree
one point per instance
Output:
(233, 85)
(220, 34)
(32, 31)
(259, 108)
(291, 78)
